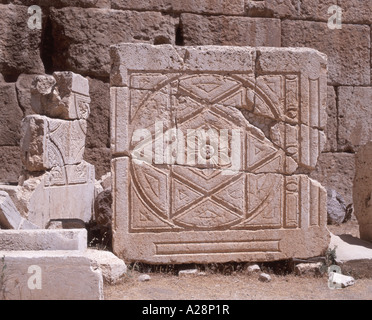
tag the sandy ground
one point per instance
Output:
(235, 284)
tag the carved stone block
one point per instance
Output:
(43, 197)
(47, 143)
(206, 144)
(64, 95)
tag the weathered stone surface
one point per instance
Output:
(230, 198)
(65, 275)
(11, 115)
(47, 143)
(348, 49)
(61, 193)
(232, 7)
(336, 171)
(11, 164)
(221, 30)
(354, 116)
(82, 36)
(65, 95)
(100, 158)
(362, 191)
(19, 45)
(31, 240)
(295, 9)
(23, 86)
(111, 266)
(65, 3)
(331, 129)
(356, 11)
(98, 133)
(336, 207)
(10, 218)
(353, 255)
(312, 269)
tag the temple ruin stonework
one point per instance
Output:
(209, 148)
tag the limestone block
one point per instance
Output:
(194, 181)
(65, 3)
(10, 218)
(111, 266)
(47, 143)
(221, 30)
(61, 193)
(362, 191)
(11, 115)
(331, 129)
(354, 116)
(336, 171)
(11, 164)
(306, 10)
(19, 45)
(23, 86)
(232, 7)
(65, 95)
(89, 33)
(51, 275)
(347, 48)
(98, 133)
(353, 255)
(31, 240)
(356, 11)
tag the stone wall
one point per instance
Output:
(76, 35)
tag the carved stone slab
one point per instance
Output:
(63, 95)
(42, 198)
(48, 143)
(207, 143)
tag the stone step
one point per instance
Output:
(53, 239)
(49, 275)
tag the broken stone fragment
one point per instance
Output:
(48, 143)
(264, 277)
(253, 269)
(313, 269)
(61, 193)
(336, 207)
(64, 95)
(144, 278)
(10, 217)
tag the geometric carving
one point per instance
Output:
(195, 180)
(47, 143)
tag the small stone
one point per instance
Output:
(55, 225)
(336, 207)
(144, 277)
(308, 269)
(254, 268)
(340, 281)
(188, 273)
(264, 277)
